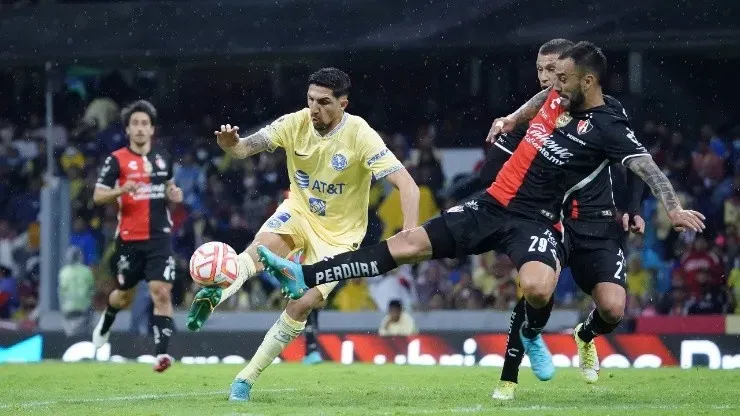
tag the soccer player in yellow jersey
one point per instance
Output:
(332, 157)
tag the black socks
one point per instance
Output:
(163, 328)
(369, 261)
(109, 317)
(595, 325)
(536, 318)
(311, 331)
(514, 349)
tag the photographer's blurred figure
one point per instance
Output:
(76, 289)
(397, 322)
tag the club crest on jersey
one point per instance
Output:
(563, 120)
(584, 126)
(339, 162)
(161, 164)
(317, 206)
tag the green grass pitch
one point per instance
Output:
(54, 388)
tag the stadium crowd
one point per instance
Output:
(228, 200)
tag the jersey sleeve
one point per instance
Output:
(281, 131)
(620, 142)
(109, 173)
(375, 155)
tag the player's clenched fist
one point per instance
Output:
(686, 219)
(228, 136)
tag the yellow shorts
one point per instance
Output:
(288, 220)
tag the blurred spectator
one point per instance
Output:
(432, 279)
(706, 165)
(711, 299)
(192, 180)
(37, 129)
(397, 322)
(24, 207)
(8, 293)
(699, 259)
(677, 158)
(76, 290)
(676, 300)
(733, 284)
(354, 296)
(83, 238)
(396, 285)
(639, 281)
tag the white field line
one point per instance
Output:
(125, 398)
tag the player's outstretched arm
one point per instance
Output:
(523, 114)
(644, 166)
(402, 180)
(240, 148)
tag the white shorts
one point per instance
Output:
(289, 221)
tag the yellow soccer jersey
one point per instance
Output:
(330, 175)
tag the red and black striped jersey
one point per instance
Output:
(143, 215)
(594, 202)
(563, 153)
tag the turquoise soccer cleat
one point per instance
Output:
(539, 356)
(288, 273)
(240, 391)
(313, 358)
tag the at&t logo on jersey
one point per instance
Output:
(301, 179)
(317, 206)
(339, 162)
(304, 182)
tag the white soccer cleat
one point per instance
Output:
(99, 338)
(588, 357)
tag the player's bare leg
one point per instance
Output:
(162, 324)
(537, 281)
(610, 299)
(207, 298)
(117, 300)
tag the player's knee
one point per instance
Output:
(410, 244)
(123, 298)
(535, 290)
(300, 309)
(611, 309)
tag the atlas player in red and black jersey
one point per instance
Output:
(139, 178)
(593, 240)
(516, 214)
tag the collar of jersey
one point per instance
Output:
(333, 131)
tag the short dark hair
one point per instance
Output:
(334, 79)
(555, 46)
(139, 106)
(395, 303)
(587, 57)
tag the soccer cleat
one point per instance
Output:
(587, 357)
(98, 337)
(204, 302)
(288, 273)
(504, 390)
(240, 389)
(164, 361)
(539, 356)
(313, 358)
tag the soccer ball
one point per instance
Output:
(214, 264)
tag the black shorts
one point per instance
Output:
(481, 224)
(595, 253)
(148, 260)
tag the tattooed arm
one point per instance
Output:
(644, 166)
(523, 114)
(240, 148)
(250, 145)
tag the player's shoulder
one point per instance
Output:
(615, 105)
(296, 118)
(122, 152)
(359, 128)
